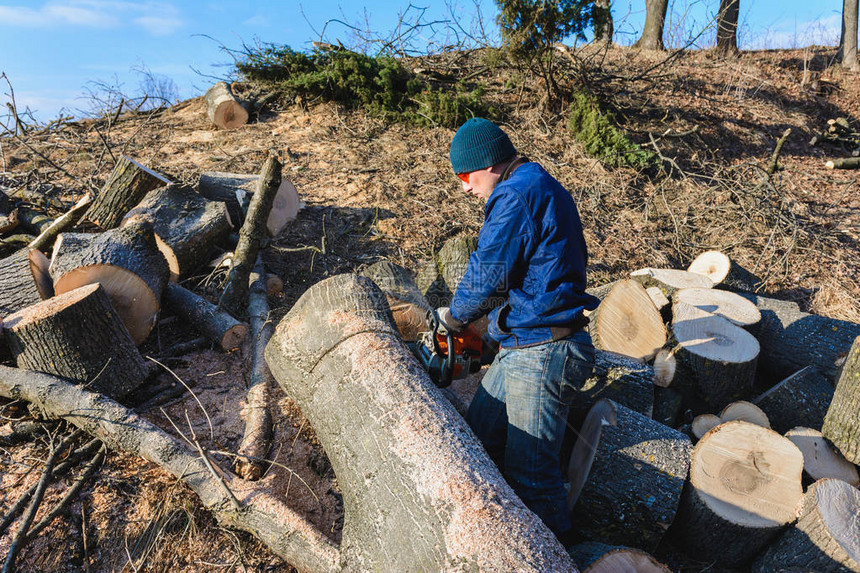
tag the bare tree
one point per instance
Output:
(727, 26)
(601, 15)
(848, 39)
(655, 18)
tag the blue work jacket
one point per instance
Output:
(528, 272)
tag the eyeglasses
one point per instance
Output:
(464, 177)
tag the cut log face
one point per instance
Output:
(419, 490)
(79, 336)
(744, 486)
(826, 537)
(704, 423)
(224, 109)
(745, 411)
(626, 473)
(712, 264)
(18, 288)
(602, 558)
(626, 322)
(187, 227)
(128, 265)
(670, 280)
(39, 266)
(802, 399)
(820, 459)
(664, 368)
(842, 422)
(734, 308)
(721, 357)
(285, 208)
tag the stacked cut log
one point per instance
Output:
(724, 272)
(78, 336)
(235, 191)
(595, 557)
(820, 459)
(128, 183)
(187, 227)
(627, 322)
(802, 399)
(127, 263)
(743, 487)
(223, 108)
(626, 474)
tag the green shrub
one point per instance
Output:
(596, 131)
(380, 85)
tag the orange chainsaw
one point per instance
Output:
(447, 356)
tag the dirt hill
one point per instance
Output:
(376, 191)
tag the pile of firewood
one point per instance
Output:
(840, 132)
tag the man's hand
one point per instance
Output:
(447, 323)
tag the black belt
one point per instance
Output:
(559, 332)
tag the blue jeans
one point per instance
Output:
(520, 413)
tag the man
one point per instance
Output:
(529, 273)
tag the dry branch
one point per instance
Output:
(216, 324)
(46, 238)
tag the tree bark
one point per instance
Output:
(420, 492)
(127, 263)
(727, 26)
(127, 184)
(842, 422)
(18, 287)
(791, 339)
(826, 537)
(223, 108)
(250, 238)
(744, 484)
(214, 323)
(258, 423)
(235, 190)
(652, 33)
(802, 399)
(626, 473)
(601, 15)
(848, 39)
(78, 336)
(627, 322)
(261, 514)
(187, 227)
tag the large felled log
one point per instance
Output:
(716, 360)
(216, 324)
(250, 238)
(595, 557)
(826, 537)
(187, 227)
(724, 272)
(820, 459)
(627, 322)
(419, 490)
(265, 516)
(802, 399)
(127, 184)
(842, 422)
(626, 473)
(408, 305)
(670, 280)
(223, 108)
(78, 336)
(18, 287)
(791, 339)
(127, 263)
(235, 191)
(744, 484)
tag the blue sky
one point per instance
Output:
(56, 52)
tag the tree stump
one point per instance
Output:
(716, 360)
(670, 280)
(626, 473)
(802, 399)
(127, 263)
(745, 482)
(826, 537)
(820, 459)
(408, 305)
(724, 272)
(223, 108)
(595, 557)
(187, 227)
(235, 191)
(215, 324)
(18, 288)
(842, 422)
(734, 308)
(127, 184)
(791, 339)
(419, 490)
(626, 322)
(78, 336)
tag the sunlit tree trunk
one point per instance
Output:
(727, 26)
(601, 14)
(848, 40)
(655, 17)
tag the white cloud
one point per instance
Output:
(156, 17)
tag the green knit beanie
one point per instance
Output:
(479, 143)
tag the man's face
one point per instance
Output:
(480, 183)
